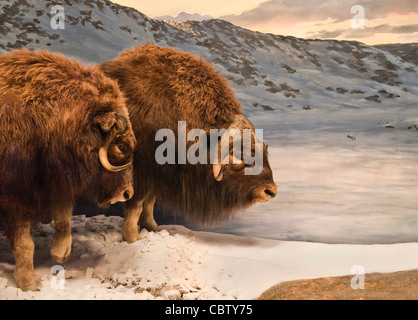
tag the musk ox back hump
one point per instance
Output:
(163, 85)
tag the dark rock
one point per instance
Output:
(267, 108)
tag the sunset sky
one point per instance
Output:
(385, 21)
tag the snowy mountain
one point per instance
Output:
(184, 16)
(268, 72)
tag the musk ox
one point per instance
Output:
(64, 134)
(164, 86)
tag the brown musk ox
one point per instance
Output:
(163, 86)
(65, 134)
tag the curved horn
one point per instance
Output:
(104, 159)
(239, 123)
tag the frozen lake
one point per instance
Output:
(335, 189)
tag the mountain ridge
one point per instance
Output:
(184, 16)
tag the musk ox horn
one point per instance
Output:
(104, 160)
(239, 123)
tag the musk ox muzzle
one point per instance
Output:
(125, 195)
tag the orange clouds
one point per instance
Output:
(387, 21)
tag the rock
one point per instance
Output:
(341, 90)
(172, 295)
(191, 296)
(288, 68)
(374, 98)
(306, 107)
(401, 285)
(268, 108)
(386, 94)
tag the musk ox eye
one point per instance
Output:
(121, 147)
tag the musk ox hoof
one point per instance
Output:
(61, 249)
(151, 226)
(28, 281)
(130, 236)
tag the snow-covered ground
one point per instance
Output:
(180, 263)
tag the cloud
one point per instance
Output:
(325, 34)
(363, 33)
(288, 12)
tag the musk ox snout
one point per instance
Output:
(268, 193)
(125, 195)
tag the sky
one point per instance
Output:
(369, 21)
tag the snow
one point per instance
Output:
(178, 263)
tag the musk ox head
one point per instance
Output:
(115, 182)
(102, 133)
(113, 145)
(239, 178)
(212, 174)
(251, 169)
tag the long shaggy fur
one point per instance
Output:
(55, 114)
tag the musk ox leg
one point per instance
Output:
(62, 239)
(23, 249)
(132, 210)
(146, 219)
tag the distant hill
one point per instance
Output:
(184, 16)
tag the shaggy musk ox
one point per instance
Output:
(164, 86)
(64, 134)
